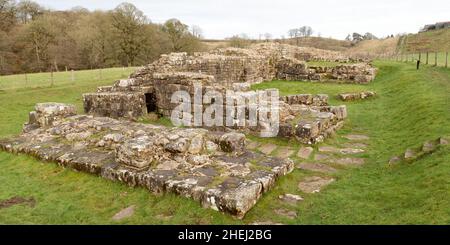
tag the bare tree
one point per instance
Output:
(348, 38)
(369, 36)
(28, 10)
(129, 22)
(356, 37)
(176, 31)
(305, 31)
(292, 33)
(180, 37)
(267, 36)
(7, 14)
(33, 38)
(197, 31)
(308, 31)
(239, 41)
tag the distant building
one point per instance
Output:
(437, 26)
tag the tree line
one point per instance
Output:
(35, 39)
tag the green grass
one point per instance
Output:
(437, 40)
(438, 58)
(411, 107)
(44, 79)
(432, 41)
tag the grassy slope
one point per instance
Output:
(437, 40)
(374, 47)
(412, 107)
(320, 43)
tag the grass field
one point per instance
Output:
(411, 107)
(434, 59)
(44, 79)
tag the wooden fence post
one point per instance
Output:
(420, 56)
(426, 62)
(435, 58)
(446, 59)
(51, 77)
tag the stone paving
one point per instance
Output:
(327, 160)
(267, 148)
(313, 184)
(305, 152)
(213, 168)
(284, 152)
(317, 167)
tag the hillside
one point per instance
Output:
(438, 40)
(374, 47)
(315, 42)
(321, 43)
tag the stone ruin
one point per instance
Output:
(213, 168)
(210, 165)
(356, 95)
(150, 89)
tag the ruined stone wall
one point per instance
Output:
(166, 84)
(359, 73)
(305, 99)
(301, 53)
(115, 104)
(260, 62)
(292, 69)
(227, 67)
(303, 116)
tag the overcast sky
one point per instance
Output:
(224, 18)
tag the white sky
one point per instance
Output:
(224, 18)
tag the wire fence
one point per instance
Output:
(71, 77)
(426, 58)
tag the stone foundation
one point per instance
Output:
(311, 124)
(211, 167)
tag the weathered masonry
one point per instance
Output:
(212, 168)
(150, 88)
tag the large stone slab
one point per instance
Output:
(317, 167)
(305, 152)
(290, 198)
(314, 184)
(267, 148)
(356, 137)
(284, 152)
(124, 213)
(348, 161)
